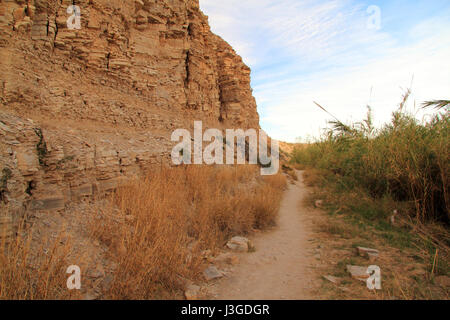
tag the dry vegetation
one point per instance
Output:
(30, 271)
(153, 232)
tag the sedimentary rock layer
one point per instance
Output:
(83, 110)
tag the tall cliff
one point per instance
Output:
(82, 110)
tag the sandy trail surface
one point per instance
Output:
(282, 265)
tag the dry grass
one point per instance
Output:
(166, 220)
(153, 232)
(287, 169)
(313, 177)
(34, 270)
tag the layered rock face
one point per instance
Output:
(83, 110)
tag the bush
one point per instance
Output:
(405, 159)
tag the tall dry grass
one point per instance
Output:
(162, 224)
(406, 159)
(33, 271)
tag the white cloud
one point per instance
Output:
(304, 51)
(346, 94)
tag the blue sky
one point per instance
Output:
(302, 51)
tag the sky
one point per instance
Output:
(343, 54)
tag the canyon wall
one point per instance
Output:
(83, 110)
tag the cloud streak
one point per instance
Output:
(301, 51)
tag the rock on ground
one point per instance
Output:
(371, 254)
(212, 273)
(358, 272)
(192, 292)
(239, 244)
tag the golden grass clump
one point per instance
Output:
(164, 222)
(33, 271)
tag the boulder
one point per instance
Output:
(371, 254)
(212, 273)
(358, 272)
(226, 258)
(332, 279)
(239, 244)
(192, 292)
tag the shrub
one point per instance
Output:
(405, 159)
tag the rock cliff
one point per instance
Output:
(83, 110)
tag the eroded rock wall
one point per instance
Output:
(83, 110)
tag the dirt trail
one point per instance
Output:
(281, 266)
